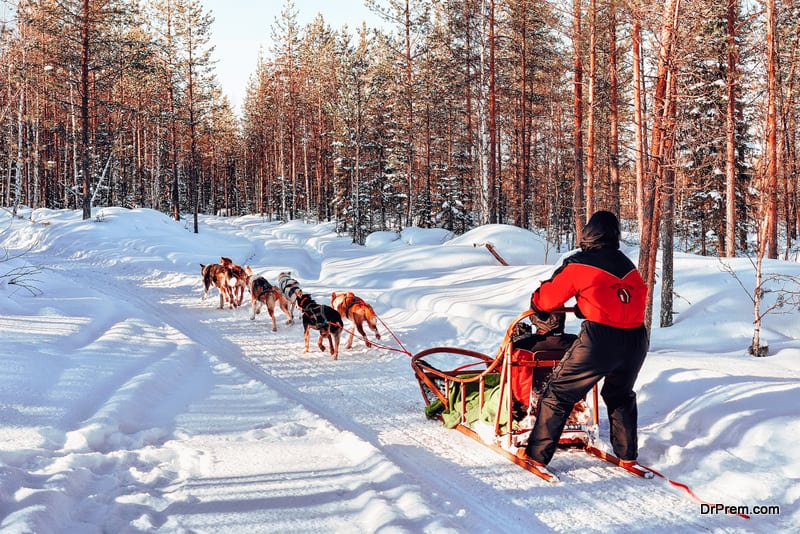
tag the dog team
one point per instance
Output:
(231, 279)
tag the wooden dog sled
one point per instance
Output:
(493, 399)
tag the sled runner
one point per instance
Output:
(494, 399)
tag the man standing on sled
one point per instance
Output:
(610, 295)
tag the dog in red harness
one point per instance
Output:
(324, 320)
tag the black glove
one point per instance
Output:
(540, 314)
(554, 324)
(578, 313)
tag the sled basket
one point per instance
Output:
(496, 398)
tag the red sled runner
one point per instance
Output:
(495, 399)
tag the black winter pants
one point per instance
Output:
(600, 351)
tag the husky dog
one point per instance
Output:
(323, 319)
(358, 312)
(237, 281)
(219, 276)
(291, 290)
(262, 293)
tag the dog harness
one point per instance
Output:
(314, 311)
(262, 283)
(350, 301)
(288, 285)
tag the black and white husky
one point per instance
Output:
(291, 290)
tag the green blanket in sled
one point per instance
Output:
(452, 416)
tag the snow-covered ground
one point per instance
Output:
(128, 404)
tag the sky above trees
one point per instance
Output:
(242, 27)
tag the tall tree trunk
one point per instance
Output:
(319, 168)
(174, 190)
(793, 180)
(667, 203)
(577, 194)
(73, 115)
(306, 168)
(281, 161)
(85, 52)
(730, 134)
(427, 194)
(36, 159)
(638, 121)
(493, 152)
(592, 104)
(6, 197)
(409, 118)
(293, 160)
(768, 241)
(756, 347)
(469, 133)
(358, 230)
(21, 112)
(20, 155)
(668, 242)
(484, 181)
(772, 131)
(520, 121)
(655, 161)
(524, 219)
(614, 200)
(193, 158)
(660, 150)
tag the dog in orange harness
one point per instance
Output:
(358, 312)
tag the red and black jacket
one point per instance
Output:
(606, 285)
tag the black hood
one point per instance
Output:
(602, 231)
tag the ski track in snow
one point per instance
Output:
(431, 478)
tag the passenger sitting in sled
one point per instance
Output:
(549, 334)
(528, 382)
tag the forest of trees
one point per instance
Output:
(681, 116)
